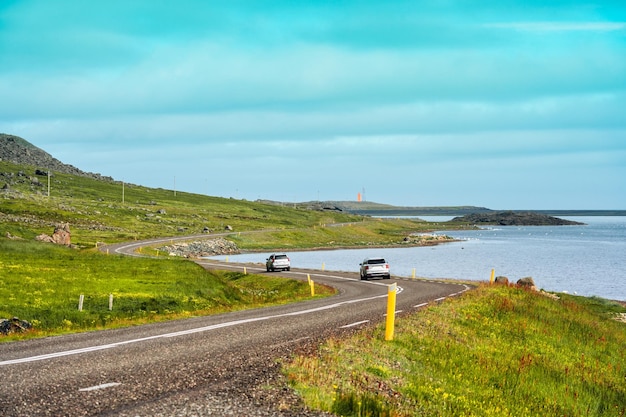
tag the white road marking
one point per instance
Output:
(205, 328)
(354, 324)
(182, 332)
(101, 386)
(420, 305)
(440, 299)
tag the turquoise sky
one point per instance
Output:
(516, 105)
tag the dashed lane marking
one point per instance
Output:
(354, 324)
(101, 386)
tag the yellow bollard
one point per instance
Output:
(227, 259)
(413, 274)
(322, 266)
(312, 284)
(493, 273)
(107, 251)
(245, 272)
(391, 312)
(308, 278)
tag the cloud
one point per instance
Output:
(312, 92)
(560, 26)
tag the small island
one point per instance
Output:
(510, 218)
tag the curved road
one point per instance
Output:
(221, 365)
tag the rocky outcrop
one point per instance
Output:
(19, 151)
(510, 218)
(201, 248)
(13, 325)
(426, 239)
(61, 235)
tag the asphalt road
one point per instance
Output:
(222, 365)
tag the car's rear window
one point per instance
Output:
(280, 257)
(376, 261)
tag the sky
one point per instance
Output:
(506, 105)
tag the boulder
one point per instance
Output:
(61, 235)
(527, 282)
(44, 238)
(12, 237)
(13, 325)
(502, 280)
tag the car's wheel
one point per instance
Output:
(387, 276)
(364, 277)
(288, 268)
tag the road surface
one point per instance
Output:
(221, 365)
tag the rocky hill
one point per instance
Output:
(19, 151)
(510, 218)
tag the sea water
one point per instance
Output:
(587, 260)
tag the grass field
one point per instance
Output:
(496, 351)
(42, 283)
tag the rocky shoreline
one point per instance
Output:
(201, 248)
(221, 246)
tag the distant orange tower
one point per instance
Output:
(358, 197)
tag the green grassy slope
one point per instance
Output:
(108, 211)
(495, 351)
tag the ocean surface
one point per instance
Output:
(587, 260)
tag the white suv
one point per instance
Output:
(374, 267)
(278, 261)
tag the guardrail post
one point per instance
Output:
(81, 299)
(391, 312)
(493, 273)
